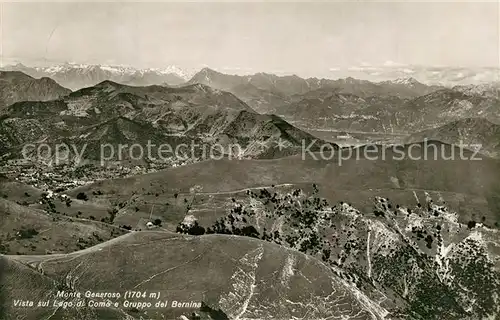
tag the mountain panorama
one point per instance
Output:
(77, 75)
(160, 194)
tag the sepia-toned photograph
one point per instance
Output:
(301, 160)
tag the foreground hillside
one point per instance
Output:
(328, 109)
(26, 230)
(232, 277)
(416, 260)
(470, 185)
(284, 227)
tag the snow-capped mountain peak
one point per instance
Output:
(410, 82)
(78, 75)
(172, 70)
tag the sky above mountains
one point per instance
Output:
(310, 39)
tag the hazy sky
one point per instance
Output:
(290, 37)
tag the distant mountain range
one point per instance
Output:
(353, 111)
(440, 75)
(294, 85)
(77, 76)
(203, 108)
(263, 91)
